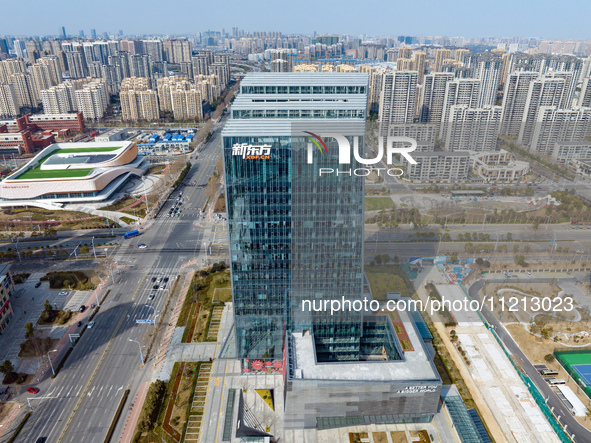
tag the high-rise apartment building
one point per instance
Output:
(433, 96)
(585, 94)
(375, 86)
(139, 104)
(92, 100)
(42, 79)
(61, 99)
(474, 129)
(177, 50)
(460, 54)
(419, 64)
(514, 101)
(24, 89)
(187, 104)
(398, 98)
(9, 105)
(404, 52)
(488, 70)
(11, 66)
(76, 65)
(440, 55)
(555, 125)
(165, 88)
(461, 91)
(545, 91)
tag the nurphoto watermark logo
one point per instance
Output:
(392, 147)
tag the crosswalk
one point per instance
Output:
(198, 403)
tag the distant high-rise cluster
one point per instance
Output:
(46, 73)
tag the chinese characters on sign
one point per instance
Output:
(252, 152)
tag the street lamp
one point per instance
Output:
(146, 196)
(139, 346)
(50, 364)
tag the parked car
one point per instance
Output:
(41, 440)
(32, 390)
(151, 296)
(79, 323)
(155, 287)
(37, 284)
(163, 287)
(142, 246)
(153, 279)
(90, 325)
(64, 293)
(82, 308)
(165, 280)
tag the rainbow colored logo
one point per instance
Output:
(316, 142)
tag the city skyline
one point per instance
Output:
(431, 19)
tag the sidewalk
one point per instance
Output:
(170, 328)
(134, 415)
(64, 342)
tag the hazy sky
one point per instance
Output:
(566, 19)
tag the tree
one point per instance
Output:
(47, 306)
(29, 330)
(84, 250)
(7, 368)
(396, 259)
(479, 261)
(527, 248)
(509, 236)
(515, 248)
(378, 259)
(549, 358)
(454, 257)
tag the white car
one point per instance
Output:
(64, 293)
(90, 325)
(142, 246)
(528, 273)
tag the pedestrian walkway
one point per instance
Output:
(214, 325)
(171, 332)
(134, 414)
(198, 403)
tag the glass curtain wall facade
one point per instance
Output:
(294, 234)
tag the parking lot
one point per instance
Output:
(27, 304)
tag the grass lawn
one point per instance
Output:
(387, 278)
(37, 173)
(378, 203)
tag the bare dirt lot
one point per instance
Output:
(536, 348)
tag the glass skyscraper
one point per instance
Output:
(296, 234)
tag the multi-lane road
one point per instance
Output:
(581, 433)
(79, 404)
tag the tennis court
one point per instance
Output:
(584, 372)
(578, 365)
